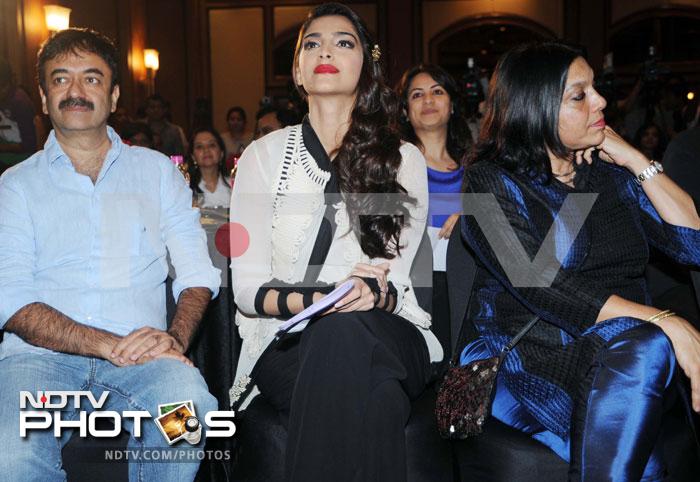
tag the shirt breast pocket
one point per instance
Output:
(126, 229)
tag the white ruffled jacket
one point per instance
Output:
(278, 197)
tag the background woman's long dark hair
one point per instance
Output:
(522, 108)
(195, 173)
(459, 140)
(368, 159)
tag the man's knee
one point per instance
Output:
(172, 381)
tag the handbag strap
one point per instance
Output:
(514, 341)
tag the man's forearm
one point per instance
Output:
(190, 308)
(44, 326)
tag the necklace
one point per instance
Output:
(565, 174)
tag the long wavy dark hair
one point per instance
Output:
(459, 140)
(522, 108)
(195, 173)
(368, 159)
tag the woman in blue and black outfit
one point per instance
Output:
(594, 379)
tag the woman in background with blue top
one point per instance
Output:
(433, 119)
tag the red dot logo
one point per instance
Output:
(232, 240)
(43, 399)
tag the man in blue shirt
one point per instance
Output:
(86, 224)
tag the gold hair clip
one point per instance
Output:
(376, 53)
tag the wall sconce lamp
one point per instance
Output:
(57, 17)
(152, 64)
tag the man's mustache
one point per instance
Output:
(75, 102)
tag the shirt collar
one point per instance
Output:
(54, 152)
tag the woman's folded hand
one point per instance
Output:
(686, 343)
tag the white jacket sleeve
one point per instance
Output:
(251, 213)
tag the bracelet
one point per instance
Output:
(660, 316)
(651, 171)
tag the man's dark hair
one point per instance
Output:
(74, 41)
(131, 129)
(285, 117)
(268, 109)
(238, 109)
(522, 108)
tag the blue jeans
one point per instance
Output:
(37, 457)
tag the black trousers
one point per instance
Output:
(344, 386)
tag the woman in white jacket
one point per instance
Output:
(345, 383)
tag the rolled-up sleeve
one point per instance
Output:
(17, 256)
(680, 243)
(184, 236)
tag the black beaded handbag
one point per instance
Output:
(466, 393)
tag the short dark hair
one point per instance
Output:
(74, 41)
(522, 108)
(131, 129)
(238, 109)
(286, 117)
(459, 139)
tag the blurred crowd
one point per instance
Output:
(655, 110)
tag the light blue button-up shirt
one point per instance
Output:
(97, 252)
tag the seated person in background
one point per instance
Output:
(682, 161)
(208, 176)
(137, 134)
(269, 119)
(433, 119)
(119, 119)
(235, 138)
(592, 380)
(651, 141)
(86, 224)
(168, 137)
(17, 131)
(344, 384)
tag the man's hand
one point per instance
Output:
(146, 341)
(175, 355)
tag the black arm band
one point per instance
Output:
(282, 303)
(308, 298)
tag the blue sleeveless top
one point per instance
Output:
(444, 188)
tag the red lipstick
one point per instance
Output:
(325, 69)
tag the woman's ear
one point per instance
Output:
(296, 75)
